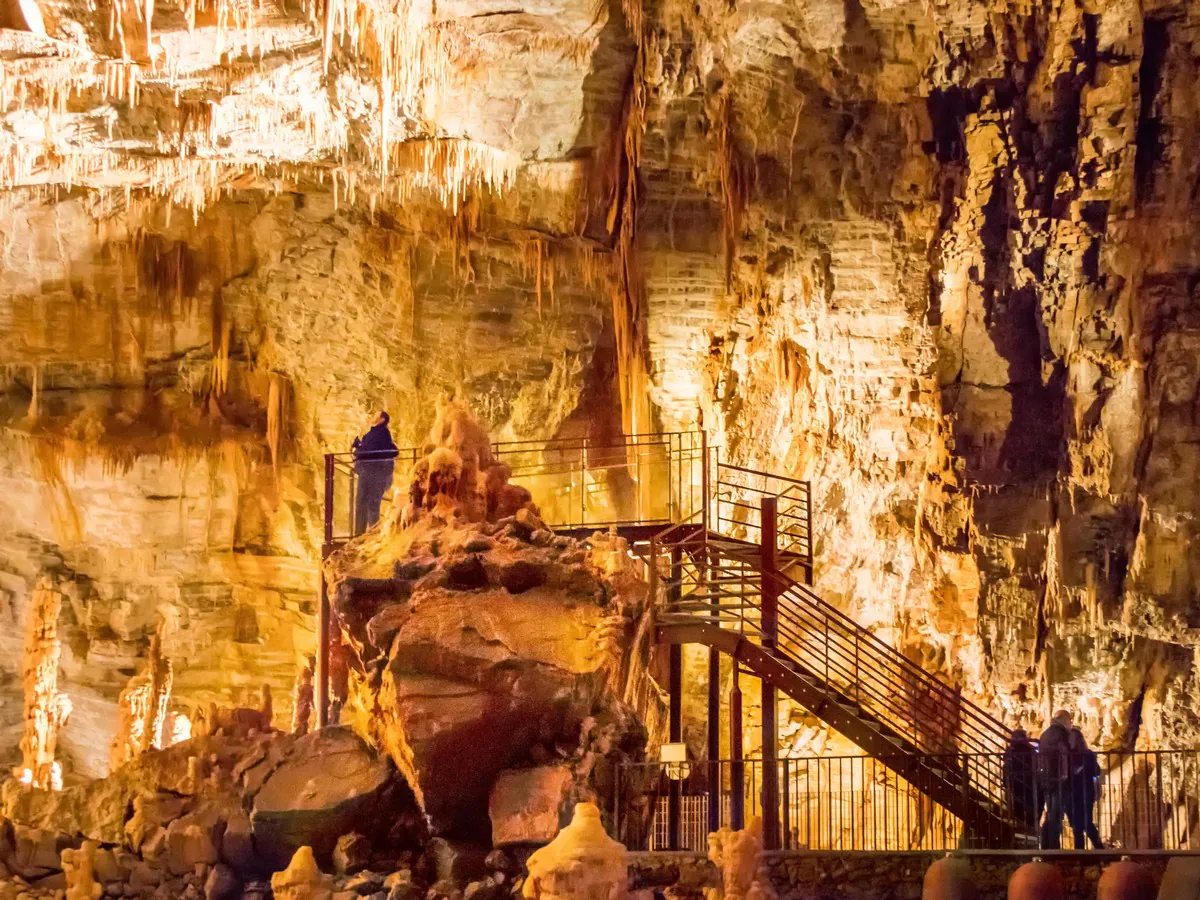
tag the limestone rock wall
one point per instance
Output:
(138, 465)
(960, 309)
(933, 255)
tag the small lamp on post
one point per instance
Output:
(674, 760)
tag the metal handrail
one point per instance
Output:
(664, 468)
(1134, 800)
(841, 655)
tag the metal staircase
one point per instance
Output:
(724, 594)
(729, 551)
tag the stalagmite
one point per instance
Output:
(79, 866)
(738, 856)
(302, 879)
(302, 698)
(46, 708)
(583, 861)
(143, 706)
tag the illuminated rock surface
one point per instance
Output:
(936, 257)
(480, 642)
(583, 861)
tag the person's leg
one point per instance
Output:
(1075, 819)
(1052, 826)
(381, 480)
(1090, 827)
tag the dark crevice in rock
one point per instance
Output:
(1133, 720)
(1149, 136)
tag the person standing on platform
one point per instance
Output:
(375, 464)
(1053, 771)
(1081, 794)
(1020, 781)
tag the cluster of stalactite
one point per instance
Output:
(143, 706)
(46, 707)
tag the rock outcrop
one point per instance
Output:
(463, 622)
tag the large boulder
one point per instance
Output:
(527, 805)
(505, 643)
(330, 783)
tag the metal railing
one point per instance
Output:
(578, 483)
(851, 663)
(1138, 800)
(735, 501)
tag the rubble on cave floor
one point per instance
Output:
(213, 816)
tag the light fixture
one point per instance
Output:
(674, 759)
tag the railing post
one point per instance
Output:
(769, 591)
(714, 707)
(674, 785)
(737, 771)
(808, 569)
(322, 673)
(704, 493)
(786, 824)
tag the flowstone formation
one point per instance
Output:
(738, 857)
(492, 660)
(583, 861)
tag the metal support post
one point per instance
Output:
(737, 769)
(714, 740)
(770, 629)
(321, 688)
(675, 786)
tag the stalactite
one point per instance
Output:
(537, 262)
(278, 395)
(218, 381)
(46, 708)
(36, 394)
(143, 706)
(734, 175)
(628, 295)
(465, 223)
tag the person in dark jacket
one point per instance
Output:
(1020, 781)
(375, 463)
(1081, 791)
(1053, 774)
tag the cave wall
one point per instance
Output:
(149, 492)
(935, 257)
(961, 308)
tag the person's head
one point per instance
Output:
(383, 418)
(1076, 740)
(1019, 736)
(1063, 718)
